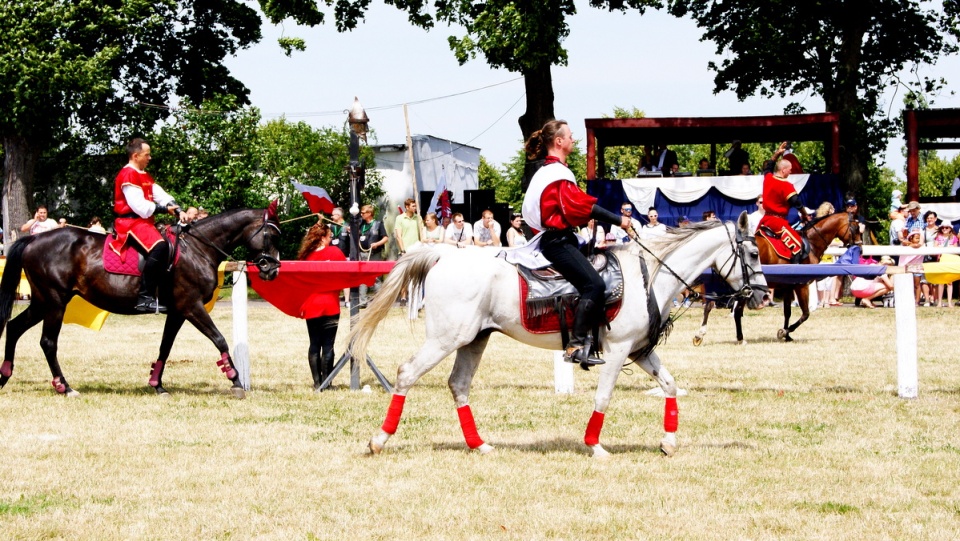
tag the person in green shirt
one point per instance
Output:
(408, 226)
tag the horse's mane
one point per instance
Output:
(815, 221)
(658, 248)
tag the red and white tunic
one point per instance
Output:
(135, 196)
(554, 200)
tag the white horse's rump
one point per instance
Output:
(470, 294)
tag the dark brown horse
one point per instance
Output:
(66, 262)
(819, 233)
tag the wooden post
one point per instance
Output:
(413, 165)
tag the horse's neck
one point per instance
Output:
(689, 261)
(821, 237)
(225, 233)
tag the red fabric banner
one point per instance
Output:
(298, 279)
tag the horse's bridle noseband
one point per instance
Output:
(738, 250)
(264, 262)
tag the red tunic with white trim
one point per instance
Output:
(143, 230)
(776, 194)
(554, 200)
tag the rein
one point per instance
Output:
(264, 262)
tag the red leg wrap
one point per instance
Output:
(393, 414)
(6, 369)
(58, 385)
(670, 415)
(155, 373)
(592, 437)
(225, 367)
(469, 427)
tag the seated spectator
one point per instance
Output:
(432, 232)
(40, 222)
(945, 239)
(710, 216)
(868, 289)
(96, 226)
(913, 240)
(486, 232)
(459, 233)
(593, 232)
(515, 235)
(745, 169)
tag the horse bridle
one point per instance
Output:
(737, 252)
(264, 262)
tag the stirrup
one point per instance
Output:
(578, 354)
(149, 305)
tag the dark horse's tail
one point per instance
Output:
(11, 277)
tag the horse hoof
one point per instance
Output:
(668, 448)
(375, 448)
(599, 451)
(238, 393)
(782, 334)
(161, 391)
(71, 393)
(485, 449)
(697, 340)
(741, 342)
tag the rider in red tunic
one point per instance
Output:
(556, 205)
(779, 196)
(136, 198)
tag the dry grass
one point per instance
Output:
(799, 441)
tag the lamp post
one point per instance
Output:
(358, 121)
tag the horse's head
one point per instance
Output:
(852, 233)
(742, 270)
(265, 241)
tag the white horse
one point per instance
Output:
(471, 294)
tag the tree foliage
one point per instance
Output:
(846, 52)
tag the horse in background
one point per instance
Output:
(471, 294)
(69, 261)
(819, 233)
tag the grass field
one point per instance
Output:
(777, 441)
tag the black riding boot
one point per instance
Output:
(147, 302)
(314, 360)
(578, 349)
(326, 365)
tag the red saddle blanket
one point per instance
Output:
(540, 289)
(128, 261)
(785, 242)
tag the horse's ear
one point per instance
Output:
(272, 211)
(743, 223)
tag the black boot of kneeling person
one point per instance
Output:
(153, 265)
(578, 349)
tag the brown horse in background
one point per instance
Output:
(819, 233)
(69, 261)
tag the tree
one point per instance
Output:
(75, 67)
(846, 52)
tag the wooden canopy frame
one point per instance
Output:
(603, 133)
(927, 124)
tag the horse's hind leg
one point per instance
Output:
(52, 323)
(464, 368)
(738, 321)
(707, 307)
(15, 329)
(430, 354)
(171, 327)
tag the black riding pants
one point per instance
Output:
(323, 333)
(563, 250)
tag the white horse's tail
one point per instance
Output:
(411, 269)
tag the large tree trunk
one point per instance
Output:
(841, 95)
(19, 167)
(538, 83)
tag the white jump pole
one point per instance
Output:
(562, 374)
(906, 312)
(241, 342)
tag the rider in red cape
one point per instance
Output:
(136, 198)
(779, 196)
(556, 205)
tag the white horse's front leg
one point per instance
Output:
(668, 445)
(608, 380)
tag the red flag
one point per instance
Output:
(317, 198)
(445, 211)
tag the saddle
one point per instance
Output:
(786, 243)
(130, 261)
(544, 293)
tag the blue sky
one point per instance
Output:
(653, 62)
